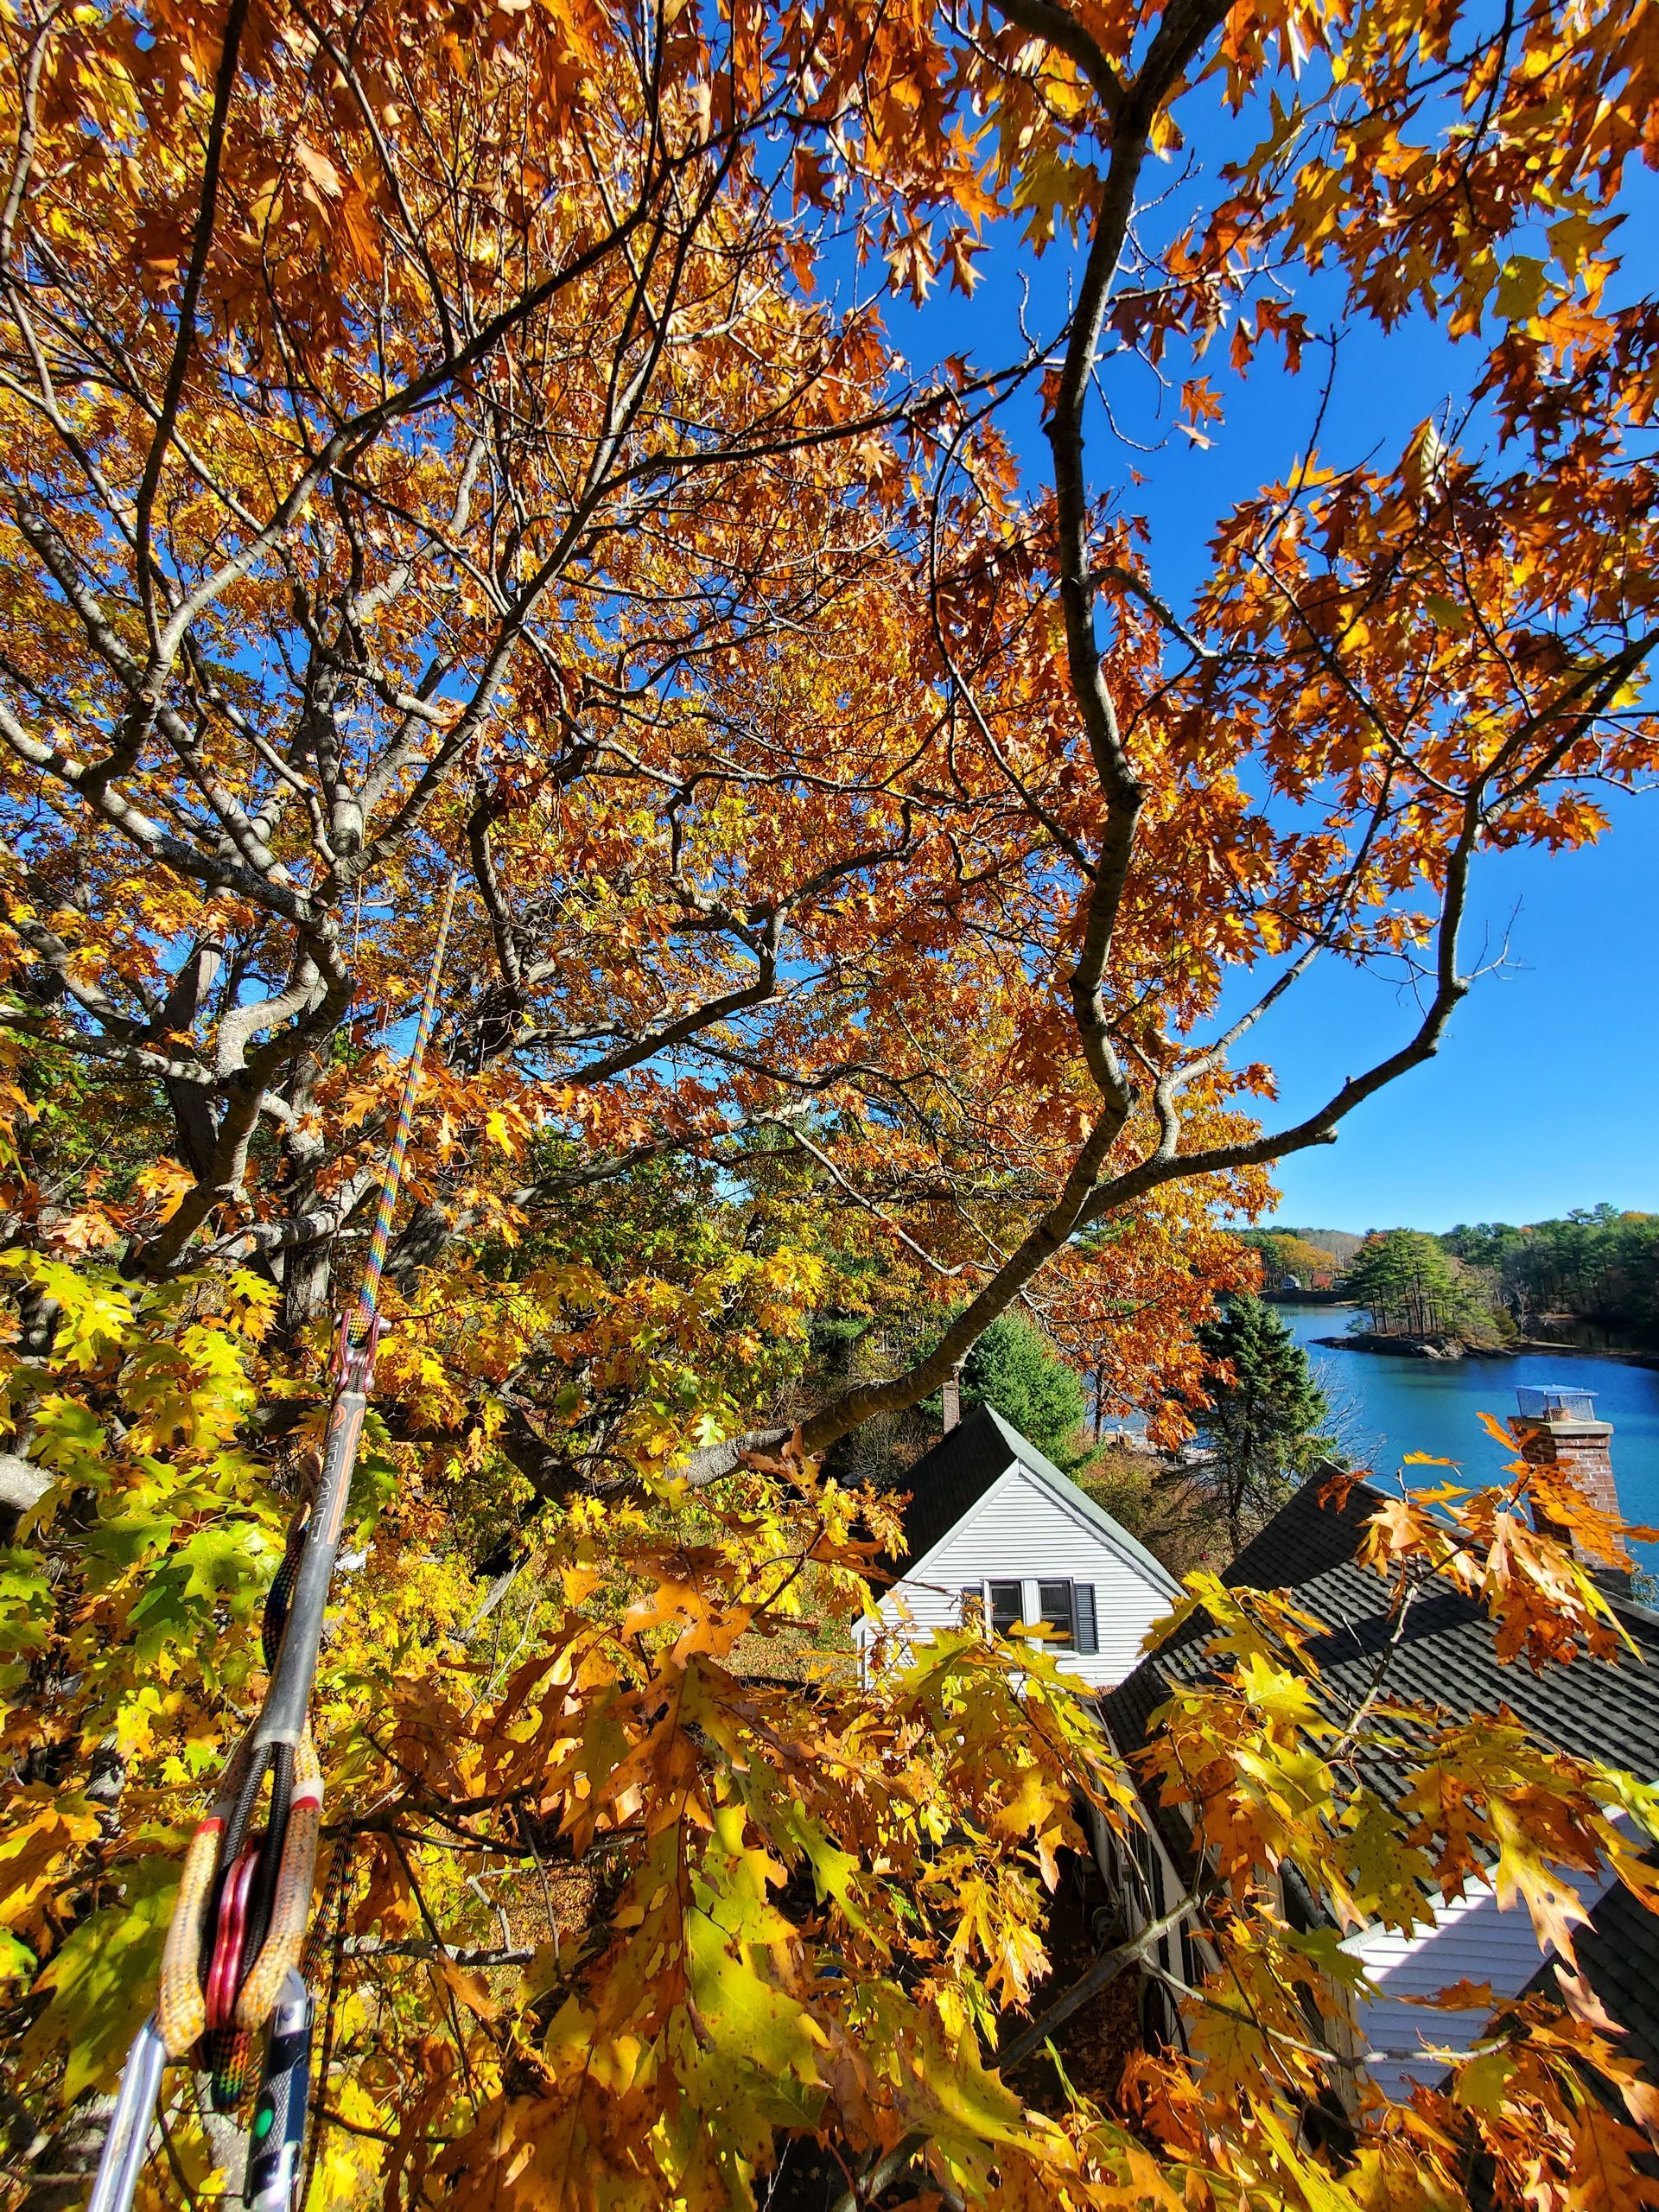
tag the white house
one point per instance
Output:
(993, 1525)
(1447, 1655)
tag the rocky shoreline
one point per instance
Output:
(1429, 1347)
(1445, 1347)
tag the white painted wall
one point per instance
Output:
(1021, 1530)
(1472, 1941)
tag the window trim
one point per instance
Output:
(1005, 1582)
(1063, 1639)
(976, 1607)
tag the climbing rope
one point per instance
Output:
(232, 1966)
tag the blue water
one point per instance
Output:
(1384, 1408)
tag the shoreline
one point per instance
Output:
(1448, 1352)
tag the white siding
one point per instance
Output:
(1472, 1941)
(1021, 1530)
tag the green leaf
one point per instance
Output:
(970, 2105)
(95, 1316)
(223, 1562)
(26, 1604)
(834, 1873)
(103, 1981)
(1521, 288)
(17, 1959)
(769, 2040)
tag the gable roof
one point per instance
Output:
(1447, 1656)
(947, 1482)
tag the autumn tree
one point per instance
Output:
(1286, 1253)
(1402, 658)
(382, 503)
(439, 452)
(612, 1918)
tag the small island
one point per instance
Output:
(1486, 1292)
(1438, 1344)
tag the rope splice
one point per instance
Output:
(230, 1966)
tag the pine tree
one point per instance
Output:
(1411, 1287)
(1263, 1424)
(1013, 1368)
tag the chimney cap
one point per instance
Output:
(1554, 1402)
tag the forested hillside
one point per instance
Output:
(1598, 1264)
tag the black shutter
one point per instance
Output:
(1083, 1617)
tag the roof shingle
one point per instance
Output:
(1447, 1654)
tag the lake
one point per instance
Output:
(1384, 1408)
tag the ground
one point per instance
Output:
(1094, 2044)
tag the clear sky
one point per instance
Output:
(1543, 1096)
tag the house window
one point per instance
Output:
(1054, 1611)
(1066, 1609)
(1007, 1607)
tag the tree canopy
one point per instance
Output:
(1285, 1252)
(453, 444)
(1596, 1261)
(1411, 1287)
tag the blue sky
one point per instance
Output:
(1542, 1097)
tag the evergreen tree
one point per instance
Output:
(1596, 1263)
(1412, 1287)
(1015, 1369)
(1263, 1424)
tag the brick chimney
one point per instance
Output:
(1557, 1427)
(951, 1395)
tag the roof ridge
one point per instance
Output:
(1072, 1495)
(967, 1463)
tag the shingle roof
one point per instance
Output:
(948, 1482)
(1618, 1953)
(1446, 1656)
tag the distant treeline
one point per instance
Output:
(1596, 1264)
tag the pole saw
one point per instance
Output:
(230, 1966)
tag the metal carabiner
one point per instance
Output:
(277, 2136)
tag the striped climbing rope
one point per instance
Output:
(232, 1966)
(365, 1319)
